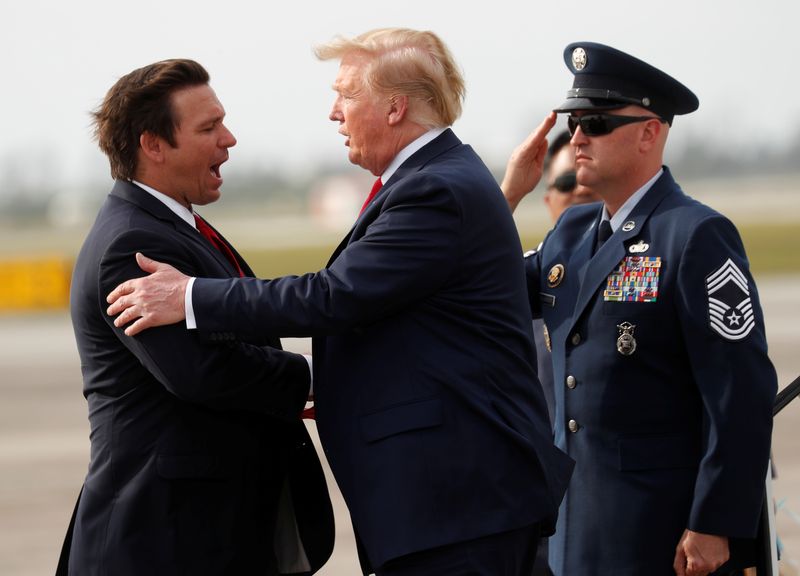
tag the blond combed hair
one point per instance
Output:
(405, 62)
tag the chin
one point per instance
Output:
(208, 198)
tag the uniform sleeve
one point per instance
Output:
(723, 328)
(218, 371)
(533, 267)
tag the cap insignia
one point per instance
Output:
(579, 59)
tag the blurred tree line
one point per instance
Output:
(39, 200)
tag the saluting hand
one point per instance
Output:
(153, 300)
(700, 554)
(525, 166)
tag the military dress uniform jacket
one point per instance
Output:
(663, 389)
(427, 400)
(193, 439)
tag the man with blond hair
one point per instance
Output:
(428, 404)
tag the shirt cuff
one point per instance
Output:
(310, 373)
(191, 324)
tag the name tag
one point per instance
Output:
(547, 299)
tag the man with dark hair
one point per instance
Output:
(664, 388)
(561, 192)
(200, 463)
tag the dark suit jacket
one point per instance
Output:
(428, 405)
(193, 439)
(676, 434)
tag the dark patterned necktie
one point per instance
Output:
(217, 242)
(604, 232)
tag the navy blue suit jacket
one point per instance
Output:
(193, 439)
(428, 405)
(676, 434)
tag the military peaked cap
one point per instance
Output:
(606, 78)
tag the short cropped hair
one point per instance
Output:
(411, 63)
(141, 102)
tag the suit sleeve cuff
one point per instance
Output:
(191, 324)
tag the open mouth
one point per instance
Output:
(215, 170)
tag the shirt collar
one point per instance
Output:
(625, 210)
(409, 150)
(179, 209)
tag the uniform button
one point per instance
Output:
(571, 382)
(576, 339)
(573, 426)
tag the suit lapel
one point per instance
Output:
(131, 193)
(442, 143)
(222, 258)
(595, 270)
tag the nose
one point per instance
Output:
(578, 137)
(336, 111)
(228, 140)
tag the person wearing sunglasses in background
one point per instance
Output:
(664, 389)
(561, 192)
(562, 189)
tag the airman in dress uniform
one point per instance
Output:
(664, 389)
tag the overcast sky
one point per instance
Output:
(59, 58)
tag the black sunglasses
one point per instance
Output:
(565, 183)
(602, 124)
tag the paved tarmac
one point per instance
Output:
(44, 447)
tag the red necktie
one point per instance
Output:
(375, 188)
(219, 243)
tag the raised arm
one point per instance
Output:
(524, 168)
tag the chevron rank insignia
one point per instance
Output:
(729, 308)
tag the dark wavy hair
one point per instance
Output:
(141, 102)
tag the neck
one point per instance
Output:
(152, 179)
(616, 194)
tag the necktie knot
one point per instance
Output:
(377, 185)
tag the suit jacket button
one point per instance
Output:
(573, 426)
(576, 339)
(571, 382)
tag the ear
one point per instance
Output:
(398, 108)
(152, 146)
(651, 134)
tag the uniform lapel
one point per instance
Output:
(596, 270)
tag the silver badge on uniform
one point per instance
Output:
(628, 226)
(579, 59)
(638, 248)
(730, 310)
(626, 343)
